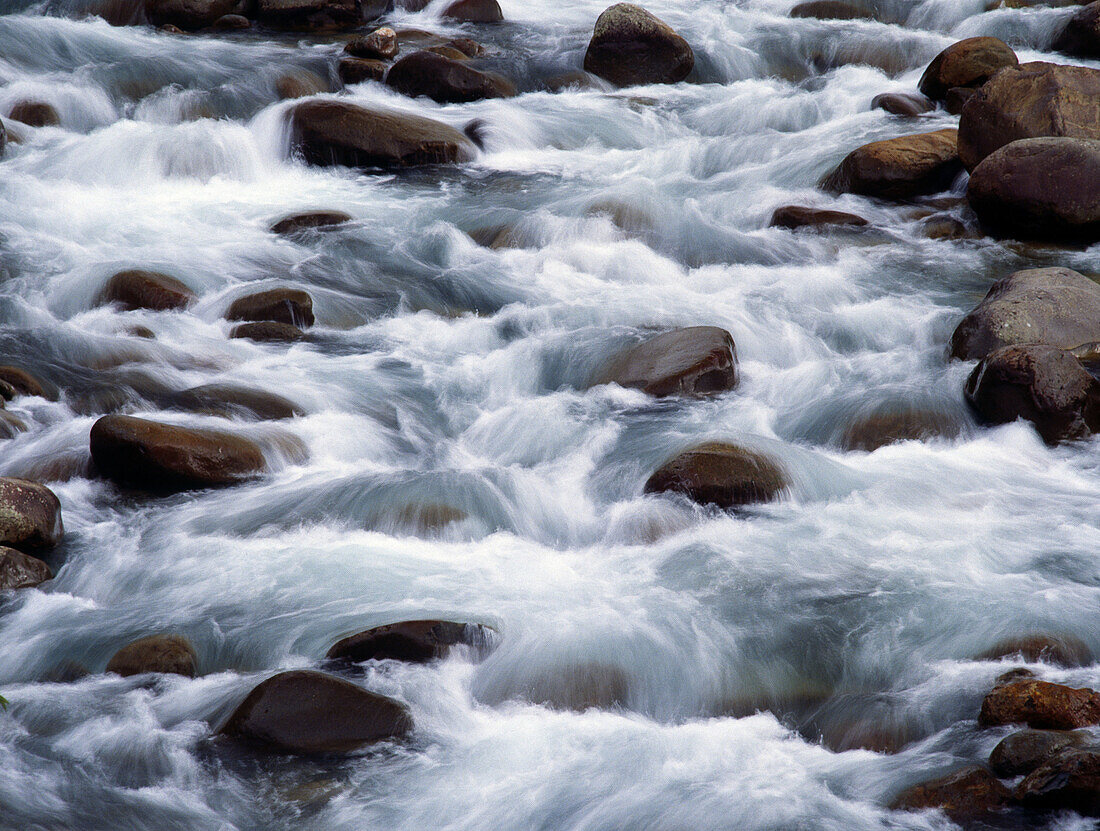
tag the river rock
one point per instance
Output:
(300, 83)
(1080, 37)
(292, 306)
(444, 80)
(1041, 705)
(228, 401)
(268, 331)
(138, 289)
(899, 104)
(303, 711)
(870, 432)
(3, 139)
(156, 653)
(21, 571)
(716, 473)
(188, 14)
(966, 794)
(957, 97)
(968, 63)
(308, 15)
(35, 114)
(898, 168)
(696, 361)
(358, 70)
(1021, 752)
(1068, 781)
(30, 515)
(231, 23)
(305, 221)
(381, 44)
(795, 216)
(631, 46)
(1052, 306)
(1042, 188)
(1031, 100)
(162, 458)
(336, 132)
(23, 382)
(831, 10)
(415, 641)
(474, 11)
(1043, 384)
(1059, 650)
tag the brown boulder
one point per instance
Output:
(30, 515)
(1069, 781)
(414, 641)
(957, 97)
(381, 44)
(968, 63)
(474, 11)
(831, 10)
(138, 289)
(163, 458)
(1080, 37)
(716, 473)
(292, 306)
(187, 14)
(358, 70)
(22, 381)
(1041, 705)
(268, 331)
(231, 23)
(966, 794)
(314, 219)
(35, 114)
(695, 361)
(898, 104)
(228, 400)
(300, 84)
(795, 216)
(630, 46)
(336, 132)
(444, 80)
(1023, 751)
(21, 571)
(311, 712)
(898, 168)
(1043, 384)
(870, 432)
(156, 653)
(1032, 100)
(309, 15)
(1059, 650)
(1041, 188)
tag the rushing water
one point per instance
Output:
(733, 656)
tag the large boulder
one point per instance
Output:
(229, 400)
(309, 15)
(1043, 384)
(336, 132)
(413, 640)
(292, 306)
(156, 653)
(968, 63)
(187, 14)
(311, 712)
(796, 216)
(30, 515)
(1080, 36)
(1040, 188)
(1021, 752)
(1041, 705)
(474, 11)
(967, 794)
(164, 459)
(1031, 100)
(631, 46)
(21, 571)
(138, 289)
(898, 168)
(696, 361)
(1068, 781)
(1052, 306)
(444, 80)
(721, 474)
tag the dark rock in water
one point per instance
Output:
(23, 382)
(292, 306)
(957, 97)
(496, 237)
(156, 653)
(228, 401)
(231, 23)
(1041, 705)
(300, 84)
(444, 80)
(35, 114)
(898, 168)
(887, 427)
(146, 290)
(794, 216)
(1059, 650)
(1041, 188)
(415, 641)
(358, 70)
(630, 46)
(944, 226)
(968, 63)
(696, 361)
(1069, 781)
(1032, 100)
(570, 80)
(898, 104)
(967, 794)
(7, 391)
(1080, 37)
(170, 29)
(3, 139)
(469, 48)
(1043, 384)
(381, 44)
(187, 14)
(311, 712)
(30, 515)
(1022, 752)
(268, 331)
(10, 426)
(474, 11)
(720, 474)
(309, 15)
(831, 10)
(578, 687)
(475, 132)
(335, 132)
(1052, 306)
(313, 219)
(447, 52)
(162, 458)
(21, 571)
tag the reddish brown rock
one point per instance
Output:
(230, 401)
(187, 14)
(231, 23)
(381, 44)
(720, 474)
(35, 114)
(880, 429)
(831, 10)
(898, 168)
(138, 289)
(292, 306)
(156, 653)
(309, 15)
(474, 11)
(1067, 781)
(21, 571)
(444, 80)
(30, 515)
(358, 70)
(1080, 37)
(307, 221)
(1023, 751)
(414, 641)
(695, 361)
(268, 331)
(630, 46)
(898, 104)
(1041, 705)
(1059, 650)
(794, 216)
(300, 84)
(956, 99)
(968, 63)
(22, 381)
(967, 794)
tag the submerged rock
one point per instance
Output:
(630, 46)
(898, 168)
(474, 11)
(968, 63)
(966, 794)
(1022, 752)
(21, 571)
(229, 400)
(30, 515)
(306, 221)
(1068, 781)
(358, 70)
(795, 216)
(268, 331)
(308, 15)
(716, 473)
(163, 458)
(156, 653)
(137, 289)
(1041, 705)
(22, 381)
(880, 429)
(381, 44)
(1059, 650)
(312, 712)
(695, 361)
(1080, 36)
(414, 641)
(35, 114)
(444, 80)
(831, 10)
(284, 305)
(300, 84)
(898, 104)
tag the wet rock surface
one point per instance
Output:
(630, 46)
(1040, 705)
(721, 474)
(898, 168)
(156, 653)
(415, 641)
(696, 361)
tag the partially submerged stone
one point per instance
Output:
(414, 641)
(35, 114)
(795, 216)
(898, 168)
(283, 305)
(445, 80)
(381, 44)
(30, 515)
(968, 63)
(630, 46)
(695, 361)
(1068, 781)
(899, 104)
(309, 221)
(1058, 650)
(474, 11)
(832, 10)
(21, 571)
(966, 794)
(230, 400)
(268, 331)
(1041, 705)
(721, 474)
(1021, 752)
(157, 653)
(139, 289)
(187, 14)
